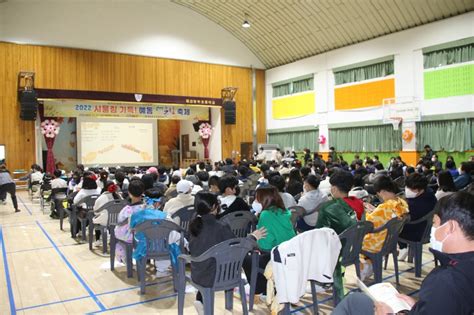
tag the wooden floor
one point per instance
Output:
(47, 272)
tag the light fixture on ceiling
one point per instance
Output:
(246, 23)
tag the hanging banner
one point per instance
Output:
(80, 108)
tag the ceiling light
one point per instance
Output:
(246, 23)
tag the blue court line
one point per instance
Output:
(53, 303)
(88, 297)
(76, 274)
(135, 303)
(27, 209)
(322, 302)
(11, 298)
(29, 223)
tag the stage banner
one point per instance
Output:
(79, 108)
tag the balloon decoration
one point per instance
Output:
(322, 139)
(205, 132)
(50, 129)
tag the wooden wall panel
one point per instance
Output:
(77, 69)
(261, 116)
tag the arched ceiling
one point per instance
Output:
(288, 30)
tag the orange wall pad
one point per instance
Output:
(364, 95)
(410, 157)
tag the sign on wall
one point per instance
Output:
(79, 108)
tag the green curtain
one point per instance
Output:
(450, 135)
(303, 85)
(298, 140)
(377, 70)
(448, 56)
(281, 90)
(366, 139)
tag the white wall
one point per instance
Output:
(151, 28)
(405, 45)
(187, 128)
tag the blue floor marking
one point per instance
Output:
(24, 205)
(11, 298)
(76, 274)
(136, 303)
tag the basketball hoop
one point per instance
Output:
(396, 121)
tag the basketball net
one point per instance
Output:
(396, 121)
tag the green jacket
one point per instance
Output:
(278, 225)
(337, 215)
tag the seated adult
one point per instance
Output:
(214, 184)
(184, 198)
(311, 199)
(451, 167)
(379, 171)
(122, 229)
(279, 182)
(229, 200)
(163, 176)
(89, 187)
(171, 191)
(445, 185)
(447, 289)
(206, 231)
(421, 201)
(153, 201)
(436, 163)
(229, 167)
(57, 181)
(391, 206)
(203, 177)
(111, 193)
(464, 177)
(338, 215)
(277, 222)
(295, 183)
(197, 185)
(122, 182)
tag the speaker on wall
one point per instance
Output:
(229, 112)
(28, 104)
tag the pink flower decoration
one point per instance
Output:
(322, 139)
(205, 130)
(49, 128)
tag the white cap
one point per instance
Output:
(184, 186)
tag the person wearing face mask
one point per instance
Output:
(338, 215)
(206, 231)
(277, 222)
(421, 201)
(436, 163)
(392, 206)
(228, 199)
(447, 289)
(312, 198)
(464, 177)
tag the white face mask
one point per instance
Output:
(410, 193)
(435, 244)
(433, 159)
(257, 207)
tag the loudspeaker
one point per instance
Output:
(28, 104)
(229, 112)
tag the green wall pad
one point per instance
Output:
(449, 82)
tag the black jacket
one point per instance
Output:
(238, 205)
(448, 289)
(213, 232)
(419, 206)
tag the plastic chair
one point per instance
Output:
(351, 240)
(240, 222)
(185, 215)
(157, 233)
(416, 247)
(297, 212)
(89, 202)
(112, 220)
(34, 188)
(228, 256)
(58, 195)
(400, 182)
(115, 206)
(393, 228)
